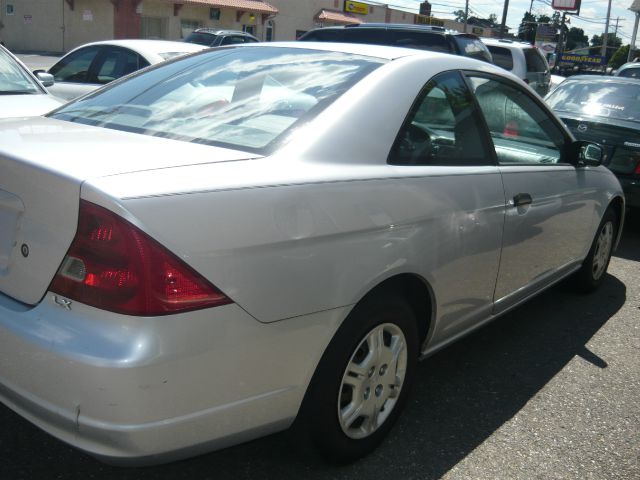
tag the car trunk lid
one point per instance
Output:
(43, 163)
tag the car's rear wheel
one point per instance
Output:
(363, 379)
(594, 267)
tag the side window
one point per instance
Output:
(75, 68)
(502, 57)
(522, 132)
(442, 127)
(116, 63)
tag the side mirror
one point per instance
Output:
(589, 154)
(45, 78)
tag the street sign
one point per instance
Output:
(568, 5)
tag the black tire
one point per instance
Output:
(388, 319)
(594, 268)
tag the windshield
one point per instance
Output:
(13, 79)
(241, 97)
(602, 99)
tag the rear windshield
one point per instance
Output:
(601, 99)
(245, 98)
(472, 47)
(501, 57)
(535, 60)
(206, 39)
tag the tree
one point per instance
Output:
(619, 57)
(492, 18)
(576, 39)
(613, 42)
(527, 28)
(459, 16)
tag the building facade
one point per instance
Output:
(60, 25)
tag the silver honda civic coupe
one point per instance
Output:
(246, 238)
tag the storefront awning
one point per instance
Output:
(336, 17)
(256, 6)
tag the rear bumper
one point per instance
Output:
(147, 390)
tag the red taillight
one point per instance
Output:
(637, 169)
(115, 266)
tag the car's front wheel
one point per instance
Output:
(363, 379)
(594, 267)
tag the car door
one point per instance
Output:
(447, 165)
(549, 206)
(72, 73)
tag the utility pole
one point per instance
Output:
(466, 15)
(635, 8)
(606, 32)
(504, 17)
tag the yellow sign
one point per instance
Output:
(423, 20)
(356, 7)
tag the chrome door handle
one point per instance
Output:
(522, 199)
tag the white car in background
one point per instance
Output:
(522, 59)
(90, 66)
(21, 93)
(221, 245)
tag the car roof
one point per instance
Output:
(149, 48)
(502, 42)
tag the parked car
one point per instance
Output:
(522, 59)
(629, 70)
(21, 93)
(90, 66)
(232, 241)
(214, 37)
(436, 39)
(606, 109)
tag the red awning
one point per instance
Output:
(336, 17)
(256, 6)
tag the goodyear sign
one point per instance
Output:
(356, 7)
(422, 20)
(585, 59)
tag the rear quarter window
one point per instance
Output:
(535, 61)
(502, 57)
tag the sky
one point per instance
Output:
(592, 19)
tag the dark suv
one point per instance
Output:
(216, 38)
(436, 39)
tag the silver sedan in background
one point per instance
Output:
(237, 240)
(90, 66)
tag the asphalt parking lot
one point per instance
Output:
(549, 391)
